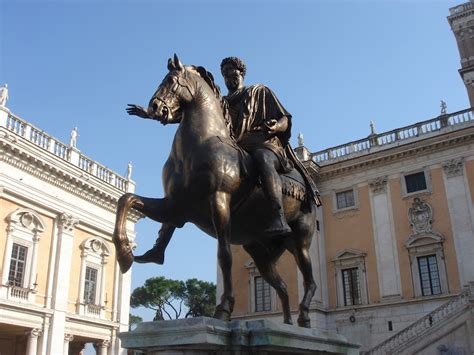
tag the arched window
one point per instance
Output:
(19, 275)
(92, 297)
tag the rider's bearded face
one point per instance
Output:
(232, 77)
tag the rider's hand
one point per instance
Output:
(136, 110)
(272, 126)
(276, 126)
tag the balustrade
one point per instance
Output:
(413, 131)
(422, 325)
(49, 143)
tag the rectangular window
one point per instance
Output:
(345, 199)
(351, 287)
(415, 182)
(17, 265)
(429, 275)
(262, 295)
(90, 285)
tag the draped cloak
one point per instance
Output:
(249, 108)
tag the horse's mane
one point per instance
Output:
(209, 79)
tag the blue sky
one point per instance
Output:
(335, 65)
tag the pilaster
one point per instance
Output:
(457, 194)
(66, 225)
(388, 268)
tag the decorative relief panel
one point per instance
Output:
(420, 216)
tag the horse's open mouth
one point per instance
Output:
(167, 117)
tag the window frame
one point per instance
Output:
(265, 301)
(94, 255)
(426, 244)
(25, 228)
(350, 259)
(252, 274)
(350, 272)
(429, 274)
(427, 175)
(24, 262)
(335, 207)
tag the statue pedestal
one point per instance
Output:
(205, 335)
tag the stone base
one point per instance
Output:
(205, 335)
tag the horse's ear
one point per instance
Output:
(177, 63)
(170, 64)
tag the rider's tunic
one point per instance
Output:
(249, 108)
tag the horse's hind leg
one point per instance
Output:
(220, 213)
(153, 208)
(265, 257)
(303, 232)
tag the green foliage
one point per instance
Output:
(167, 297)
(200, 298)
(133, 320)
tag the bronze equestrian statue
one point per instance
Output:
(222, 175)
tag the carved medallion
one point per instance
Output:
(420, 216)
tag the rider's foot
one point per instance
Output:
(278, 226)
(154, 255)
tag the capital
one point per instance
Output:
(453, 167)
(67, 222)
(378, 185)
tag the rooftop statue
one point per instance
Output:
(230, 162)
(3, 95)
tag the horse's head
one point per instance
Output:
(175, 90)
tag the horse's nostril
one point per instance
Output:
(155, 107)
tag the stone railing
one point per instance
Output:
(397, 135)
(93, 310)
(67, 153)
(18, 293)
(461, 8)
(423, 325)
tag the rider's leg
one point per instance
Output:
(267, 164)
(157, 253)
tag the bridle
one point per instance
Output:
(172, 92)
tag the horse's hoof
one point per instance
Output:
(125, 261)
(304, 322)
(288, 321)
(153, 255)
(221, 313)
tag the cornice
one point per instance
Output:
(54, 175)
(395, 154)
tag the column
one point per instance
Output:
(458, 196)
(32, 343)
(66, 225)
(388, 269)
(67, 339)
(102, 347)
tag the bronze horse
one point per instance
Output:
(208, 181)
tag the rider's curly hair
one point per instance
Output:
(237, 62)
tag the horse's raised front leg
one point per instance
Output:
(157, 253)
(220, 214)
(156, 209)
